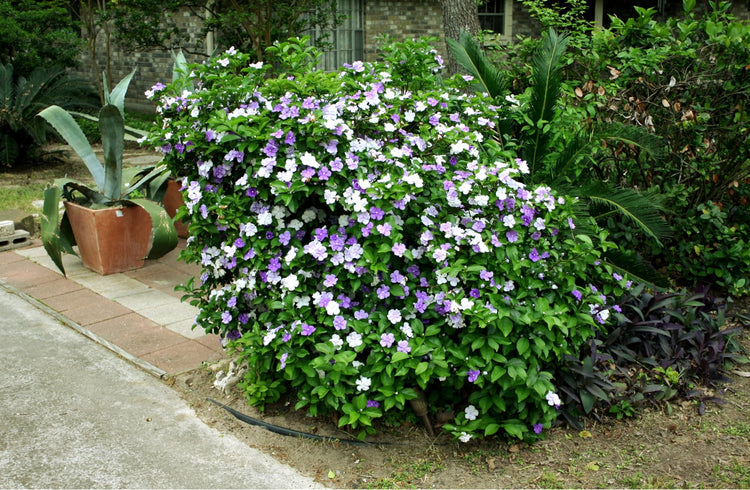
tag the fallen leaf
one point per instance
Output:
(491, 464)
(613, 72)
(331, 474)
(601, 90)
(514, 448)
(592, 466)
(665, 102)
(744, 374)
(584, 434)
(579, 92)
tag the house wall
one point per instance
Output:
(402, 20)
(152, 66)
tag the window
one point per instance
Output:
(346, 42)
(492, 16)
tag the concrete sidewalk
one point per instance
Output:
(73, 415)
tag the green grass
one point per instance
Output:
(21, 197)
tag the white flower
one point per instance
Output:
(471, 412)
(330, 196)
(509, 220)
(309, 159)
(407, 331)
(265, 218)
(363, 383)
(308, 215)
(332, 308)
(290, 282)
(553, 400)
(290, 255)
(337, 341)
(464, 437)
(354, 339)
(394, 316)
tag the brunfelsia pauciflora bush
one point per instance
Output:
(364, 243)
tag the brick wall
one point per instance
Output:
(152, 66)
(402, 20)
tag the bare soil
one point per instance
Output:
(671, 446)
(668, 446)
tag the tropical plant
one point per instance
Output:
(21, 98)
(111, 188)
(557, 149)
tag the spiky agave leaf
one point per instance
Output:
(469, 55)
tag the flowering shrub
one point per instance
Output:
(364, 243)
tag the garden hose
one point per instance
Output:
(289, 432)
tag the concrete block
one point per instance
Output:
(18, 239)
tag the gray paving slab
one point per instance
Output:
(74, 415)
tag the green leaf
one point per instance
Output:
(163, 234)
(66, 126)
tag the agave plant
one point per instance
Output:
(553, 159)
(21, 98)
(110, 189)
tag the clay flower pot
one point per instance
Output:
(111, 240)
(172, 201)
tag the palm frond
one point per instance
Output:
(547, 82)
(586, 143)
(634, 267)
(469, 56)
(642, 209)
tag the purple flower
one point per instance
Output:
(383, 291)
(616, 276)
(282, 361)
(398, 249)
(512, 236)
(403, 346)
(251, 192)
(339, 322)
(226, 317)
(576, 294)
(239, 243)
(290, 139)
(473, 374)
(534, 255)
(330, 280)
(474, 293)
(307, 330)
(384, 229)
(538, 428)
(372, 404)
(387, 339)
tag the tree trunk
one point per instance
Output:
(458, 15)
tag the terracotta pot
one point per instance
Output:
(172, 201)
(110, 240)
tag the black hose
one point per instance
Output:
(288, 432)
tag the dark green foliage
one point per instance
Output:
(36, 33)
(712, 250)
(663, 345)
(22, 98)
